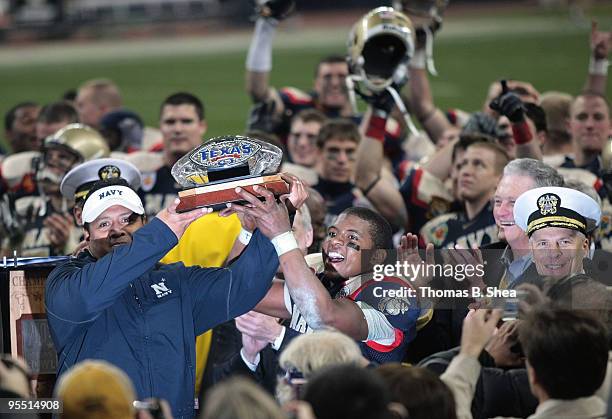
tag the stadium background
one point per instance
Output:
(479, 42)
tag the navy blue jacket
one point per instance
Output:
(144, 317)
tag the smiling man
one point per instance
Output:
(519, 176)
(557, 221)
(115, 302)
(340, 291)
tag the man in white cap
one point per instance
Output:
(78, 181)
(557, 221)
(116, 303)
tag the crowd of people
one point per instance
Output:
(303, 305)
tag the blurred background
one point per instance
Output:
(152, 48)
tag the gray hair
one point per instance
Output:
(541, 173)
(308, 353)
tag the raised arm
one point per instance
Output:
(597, 78)
(78, 292)
(380, 189)
(259, 60)
(310, 296)
(235, 289)
(422, 105)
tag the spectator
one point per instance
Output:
(419, 390)
(239, 398)
(96, 98)
(337, 144)
(557, 142)
(519, 176)
(308, 354)
(557, 221)
(40, 225)
(53, 117)
(564, 381)
(589, 127)
(123, 129)
(347, 392)
(96, 389)
(20, 127)
(480, 170)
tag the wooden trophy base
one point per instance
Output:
(219, 194)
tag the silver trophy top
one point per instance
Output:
(227, 152)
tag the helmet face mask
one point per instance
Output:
(71, 145)
(378, 44)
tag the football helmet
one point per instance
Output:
(81, 140)
(380, 45)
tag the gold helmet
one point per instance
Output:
(81, 140)
(378, 43)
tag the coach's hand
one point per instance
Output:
(178, 222)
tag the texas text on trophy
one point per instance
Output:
(211, 172)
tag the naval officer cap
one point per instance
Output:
(81, 178)
(556, 207)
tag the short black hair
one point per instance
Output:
(348, 391)
(380, 229)
(567, 349)
(9, 116)
(56, 112)
(184, 98)
(469, 138)
(338, 128)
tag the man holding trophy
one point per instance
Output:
(117, 303)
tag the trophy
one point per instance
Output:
(211, 172)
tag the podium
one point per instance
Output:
(25, 331)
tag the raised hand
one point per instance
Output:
(271, 217)
(468, 257)
(501, 344)
(408, 253)
(478, 327)
(298, 194)
(600, 42)
(509, 105)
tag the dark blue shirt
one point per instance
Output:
(144, 317)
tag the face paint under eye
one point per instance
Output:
(353, 246)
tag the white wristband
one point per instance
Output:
(598, 67)
(418, 60)
(284, 243)
(245, 236)
(259, 57)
